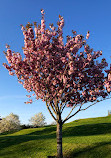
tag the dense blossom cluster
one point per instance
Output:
(58, 73)
(108, 80)
(9, 123)
(38, 120)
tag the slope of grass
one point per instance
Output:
(85, 138)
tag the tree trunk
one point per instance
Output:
(59, 139)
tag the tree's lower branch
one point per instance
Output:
(70, 112)
(53, 109)
(88, 106)
(63, 107)
(50, 112)
(67, 118)
(95, 103)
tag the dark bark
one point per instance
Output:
(59, 138)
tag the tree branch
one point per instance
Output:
(67, 118)
(88, 106)
(53, 108)
(70, 112)
(50, 111)
(63, 107)
(71, 115)
(95, 103)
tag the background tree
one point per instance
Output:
(62, 75)
(10, 123)
(38, 120)
(53, 123)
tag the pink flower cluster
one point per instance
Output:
(58, 72)
(88, 34)
(108, 80)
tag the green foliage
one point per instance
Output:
(85, 138)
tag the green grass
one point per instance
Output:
(85, 138)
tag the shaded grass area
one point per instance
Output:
(86, 138)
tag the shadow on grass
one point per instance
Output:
(88, 130)
(8, 141)
(91, 152)
(45, 131)
(50, 133)
(81, 130)
(51, 157)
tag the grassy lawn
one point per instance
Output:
(86, 138)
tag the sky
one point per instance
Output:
(80, 16)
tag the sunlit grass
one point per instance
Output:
(85, 138)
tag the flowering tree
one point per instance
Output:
(53, 123)
(10, 123)
(38, 120)
(62, 75)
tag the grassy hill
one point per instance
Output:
(85, 138)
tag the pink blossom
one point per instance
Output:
(68, 105)
(28, 96)
(83, 93)
(94, 98)
(20, 82)
(42, 11)
(88, 34)
(11, 73)
(109, 77)
(30, 101)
